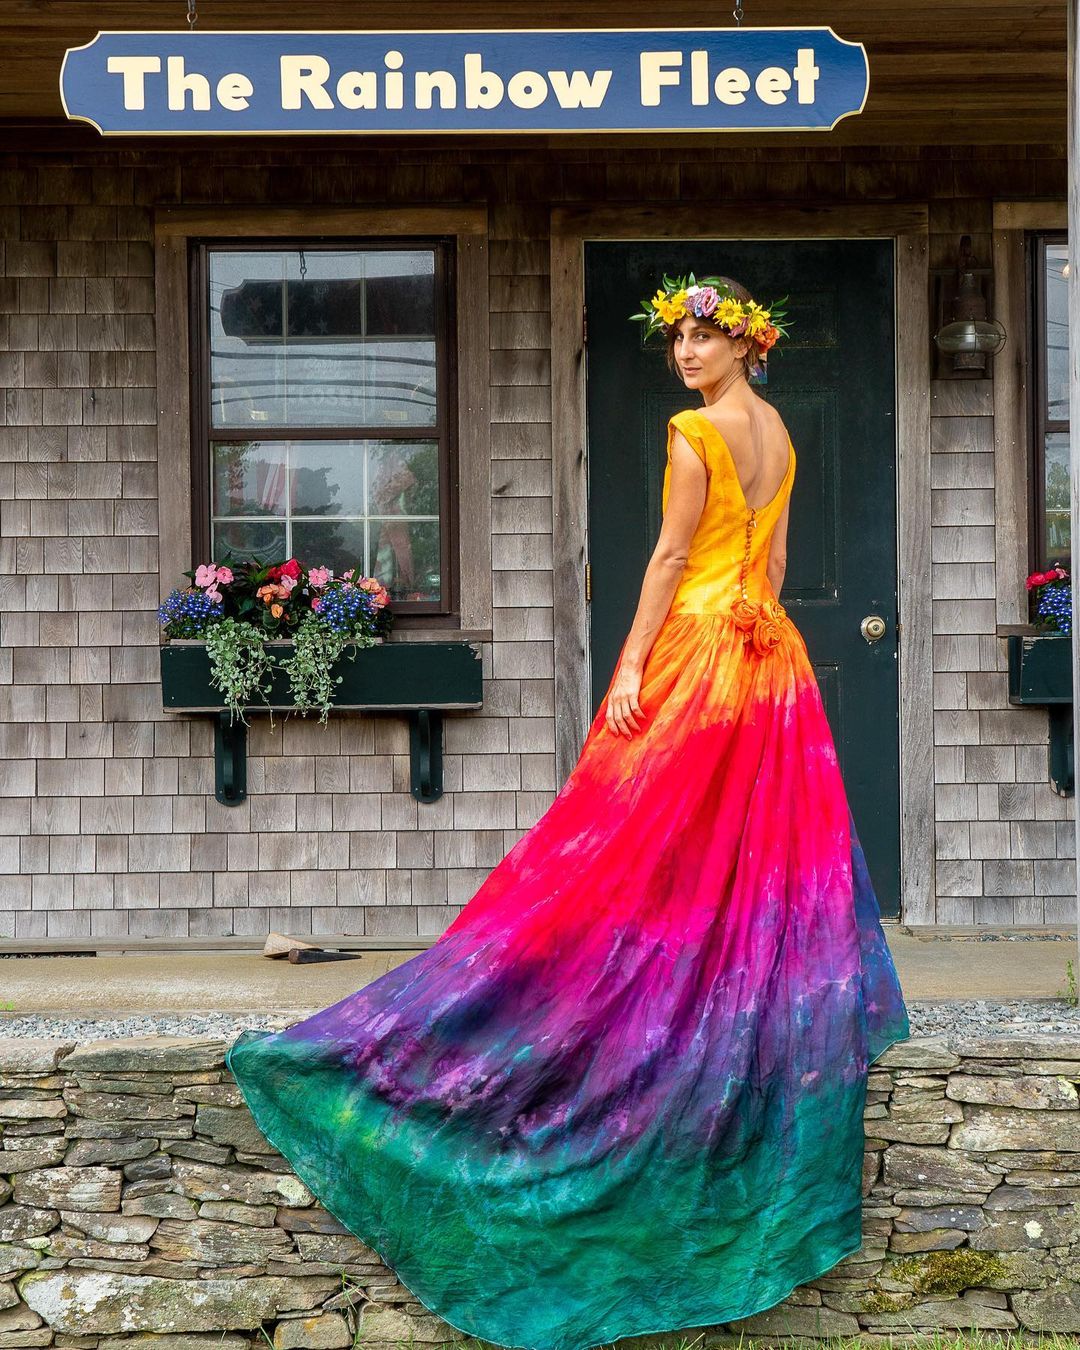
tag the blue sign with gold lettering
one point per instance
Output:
(488, 80)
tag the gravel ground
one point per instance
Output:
(965, 1017)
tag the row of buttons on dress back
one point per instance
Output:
(762, 621)
(750, 524)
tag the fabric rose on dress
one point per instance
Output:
(761, 622)
(768, 630)
(745, 613)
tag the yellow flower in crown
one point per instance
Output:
(713, 298)
(757, 319)
(670, 308)
(728, 313)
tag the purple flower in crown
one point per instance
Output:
(705, 301)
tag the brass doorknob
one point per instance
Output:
(872, 627)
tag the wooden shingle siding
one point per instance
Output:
(108, 823)
(999, 822)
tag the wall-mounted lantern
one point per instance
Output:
(965, 335)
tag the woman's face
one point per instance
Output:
(705, 354)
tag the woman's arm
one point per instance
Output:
(777, 564)
(686, 501)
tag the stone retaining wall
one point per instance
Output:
(140, 1207)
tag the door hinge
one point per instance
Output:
(584, 325)
(588, 581)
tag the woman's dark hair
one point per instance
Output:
(740, 293)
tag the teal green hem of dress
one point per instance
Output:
(708, 1317)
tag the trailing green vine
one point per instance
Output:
(316, 648)
(241, 668)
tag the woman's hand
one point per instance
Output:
(685, 503)
(623, 707)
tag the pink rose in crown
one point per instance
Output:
(224, 576)
(707, 300)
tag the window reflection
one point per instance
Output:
(372, 504)
(322, 338)
(1057, 332)
(1055, 392)
(1057, 496)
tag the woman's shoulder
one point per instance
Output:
(737, 423)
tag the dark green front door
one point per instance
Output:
(833, 383)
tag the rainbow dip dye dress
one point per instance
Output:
(623, 1092)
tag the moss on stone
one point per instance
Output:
(948, 1272)
(880, 1302)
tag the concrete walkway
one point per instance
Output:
(930, 965)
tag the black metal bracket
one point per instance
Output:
(424, 680)
(230, 760)
(425, 757)
(426, 753)
(1061, 755)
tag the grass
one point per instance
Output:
(1070, 992)
(929, 1340)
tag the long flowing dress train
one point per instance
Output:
(623, 1092)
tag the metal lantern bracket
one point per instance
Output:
(422, 679)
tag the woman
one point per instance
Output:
(623, 1092)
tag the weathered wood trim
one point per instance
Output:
(174, 409)
(756, 220)
(1045, 215)
(1073, 225)
(1012, 478)
(230, 222)
(917, 854)
(173, 227)
(474, 431)
(569, 489)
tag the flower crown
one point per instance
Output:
(712, 298)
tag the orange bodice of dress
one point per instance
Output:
(726, 567)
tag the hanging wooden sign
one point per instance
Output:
(452, 81)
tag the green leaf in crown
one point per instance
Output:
(712, 298)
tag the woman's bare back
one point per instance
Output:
(757, 441)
